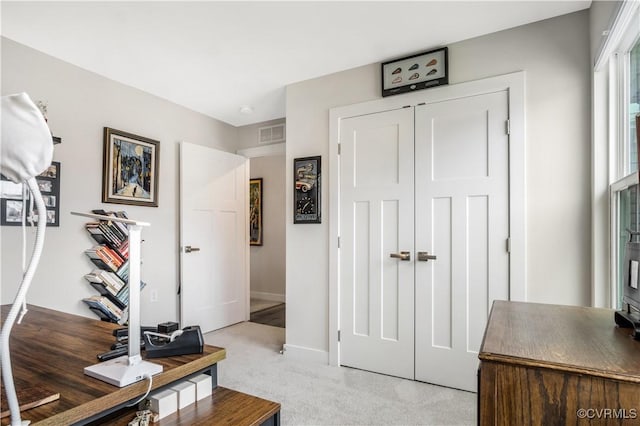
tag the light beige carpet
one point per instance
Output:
(317, 394)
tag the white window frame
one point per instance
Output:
(613, 59)
(616, 188)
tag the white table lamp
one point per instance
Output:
(127, 369)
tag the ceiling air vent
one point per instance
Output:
(271, 134)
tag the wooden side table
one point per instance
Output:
(549, 364)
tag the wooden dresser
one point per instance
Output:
(557, 365)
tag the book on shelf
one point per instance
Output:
(110, 279)
(97, 233)
(118, 227)
(107, 293)
(123, 295)
(108, 230)
(105, 306)
(108, 284)
(123, 272)
(103, 234)
(103, 256)
(123, 250)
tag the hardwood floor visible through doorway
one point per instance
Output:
(273, 316)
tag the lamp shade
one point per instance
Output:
(26, 148)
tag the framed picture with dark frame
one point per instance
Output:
(307, 173)
(255, 212)
(12, 205)
(416, 72)
(130, 169)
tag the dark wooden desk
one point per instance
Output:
(225, 407)
(50, 349)
(550, 365)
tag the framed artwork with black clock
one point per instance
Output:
(306, 193)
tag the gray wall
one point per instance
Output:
(555, 55)
(80, 104)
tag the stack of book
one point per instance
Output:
(112, 285)
(104, 308)
(113, 234)
(108, 284)
(105, 257)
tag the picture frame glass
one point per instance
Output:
(130, 174)
(255, 212)
(416, 72)
(307, 191)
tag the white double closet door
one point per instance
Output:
(417, 182)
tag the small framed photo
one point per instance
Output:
(11, 212)
(417, 72)
(9, 189)
(45, 186)
(51, 172)
(255, 212)
(51, 217)
(49, 200)
(307, 178)
(130, 169)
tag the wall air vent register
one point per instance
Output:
(271, 134)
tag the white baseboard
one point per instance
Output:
(272, 297)
(306, 354)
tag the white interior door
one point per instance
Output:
(376, 210)
(213, 223)
(443, 192)
(462, 216)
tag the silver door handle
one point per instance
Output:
(425, 256)
(189, 249)
(403, 255)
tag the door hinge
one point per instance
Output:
(508, 126)
(338, 335)
(509, 245)
(339, 148)
(338, 242)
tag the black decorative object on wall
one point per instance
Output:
(416, 72)
(12, 205)
(306, 192)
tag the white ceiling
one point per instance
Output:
(214, 57)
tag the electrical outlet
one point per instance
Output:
(154, 295)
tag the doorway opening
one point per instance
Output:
(267, 251)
